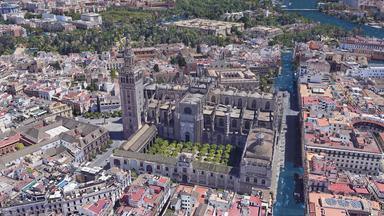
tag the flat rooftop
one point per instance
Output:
(308, 92)
(205, 24)
(56, 131)
(372, 148)
(329, 204)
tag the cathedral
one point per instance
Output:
(199, 110)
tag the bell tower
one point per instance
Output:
(131, 93)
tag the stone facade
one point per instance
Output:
(186, 170)
(70, 202)
(200, 111)
(220, 116)
(131, 94)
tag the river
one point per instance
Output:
(326, 19)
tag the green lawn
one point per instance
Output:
(211, 153)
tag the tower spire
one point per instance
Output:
(129, 56)
(128, 41)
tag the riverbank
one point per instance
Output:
(323, 18)
(346, 15)
(359, 15)
(355, 17)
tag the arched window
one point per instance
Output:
(254, 104)
(205, 137)
(263, 182)
(240, 103)
(226, 101)
(247, 126)
(149, 169)
(234, 123)
(116, 162)
(188, 111)
(213, 99)
(221, 122)
(134, 164)
(267, 105)
(219, 139)
(187, 136)
(233, 140)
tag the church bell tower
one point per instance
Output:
(131, 93)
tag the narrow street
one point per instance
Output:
(285, 203)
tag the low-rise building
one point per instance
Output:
(8, 141)
(67, 196)
(375, 72)
(12, 30)
(108, 103)
(373, 48)
(147, 195)
(264, 31)
(92, 17)
(88, 21)
(327, 204)
(82, 140)
(9, 8)
(239, 78)
(212, 27)
(102, 207)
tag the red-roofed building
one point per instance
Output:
(313, 45)
(163, 180)
(202, 191)
(102, 207)
(79, 101)
(8, 143)
(310, 102)
(135, 196)
(340, 188)
(3, 198)
(248, 205)
(377, 188)
(21, 184)
(321, 172)
(361, 190)
(147, 195)
(254, 200)
(318, 103)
